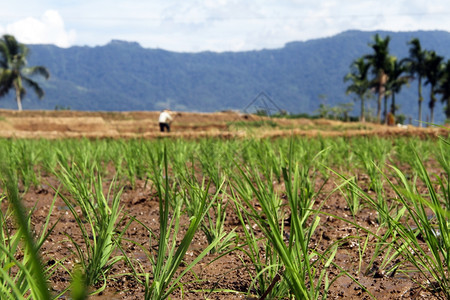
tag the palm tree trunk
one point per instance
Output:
(447, 109)
(381, 92)
(420, 101)
(393, 104)
(362, 118)
(420, 113)
(18, 99)
(432, 104)
(385, 110)
(379, 107)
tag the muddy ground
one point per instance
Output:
(231, 271)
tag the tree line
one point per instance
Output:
(384, 75)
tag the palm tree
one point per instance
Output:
(444, 88)
(379, 62)
(359, 83)
(396, 79)
(416, 67)
(14, 73)
(433, 73)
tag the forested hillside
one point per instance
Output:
(123, 76)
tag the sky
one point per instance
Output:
(211, 25)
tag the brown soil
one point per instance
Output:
(230, 271)
(140, 201)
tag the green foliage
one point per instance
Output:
(99, 219)
(14, 73)
(433, 228)
(78, 287)
(416, 233)
(275, 188)
(301, 277)
(24, 161)
(166, 261)
(27, 276)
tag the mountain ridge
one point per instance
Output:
(124, 76)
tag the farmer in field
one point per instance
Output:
(164, 120)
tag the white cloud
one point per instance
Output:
(49, 29)
(217, 25)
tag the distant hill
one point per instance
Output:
(123, 76)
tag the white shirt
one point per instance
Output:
(165, 117)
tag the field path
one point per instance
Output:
(77, 124)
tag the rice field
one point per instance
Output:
(254, 218)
